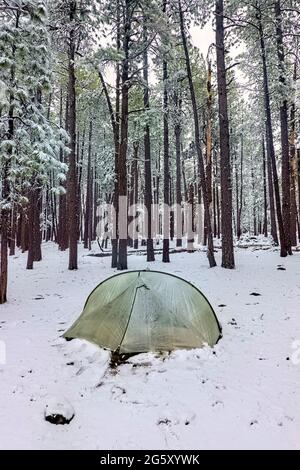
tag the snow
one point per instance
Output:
(59, 406)
(243, 394)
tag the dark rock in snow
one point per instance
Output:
(59, 411)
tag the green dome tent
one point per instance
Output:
(140, 311)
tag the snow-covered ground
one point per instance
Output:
(244, 393)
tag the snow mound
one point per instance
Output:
(59, 411)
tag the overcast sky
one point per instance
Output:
(203, 38)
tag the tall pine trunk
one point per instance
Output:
(177, 132)
(166, 187)
(89, 193)
(62, 207)
(285, 166)
(226, 189)
(122, 169)
(265, 223)
(147, 150)
(269, 132)
(210, 246)
(240, 190)
(116, 129)
(274, 233)
(293, 225)
(72, 174)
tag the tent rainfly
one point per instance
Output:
(140, 311)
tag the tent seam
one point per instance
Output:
(129, 316)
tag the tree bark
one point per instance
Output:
(30, 254)
(241, 192)
(136, 195)
(210, 246)
(122, 169)
(271, 202)
(72, 173)
(208, 153)
(166, 186)
(147, 151)
(265, 223)
(285, 167)
(37, 235)
(177, 132)
(116, 128)
(63, 242)
(6, 209)
(89, 193)
(13, 224)
(293, 224)
(226, 188)
(269, 132)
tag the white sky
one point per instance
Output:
(202, 38)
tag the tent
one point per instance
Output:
(140, 311)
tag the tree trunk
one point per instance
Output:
(201, 170)
(298, 180)
(19, 223)
(88, 204)
(265, 223)
(116, 130)
(210, 246)
(72, 174)
(208, 153)
(122, 169)
(271, 202)
(285, 168)
(13, 224)
(254, 200)
(270, 141)
(190, 220)
(147, 150)
(166, 211)
(177, 132)
(37, 235)
(241, 192)
(293, 224)
(5, 217)
(31, 228)
(5, 190)
(136, 197)
(63, 242)
(226, 189)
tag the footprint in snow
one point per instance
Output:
(165, 421)
(117, 392)
(81, 370)
(281, 268)
(217, 403)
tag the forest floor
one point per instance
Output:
(244, 393)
